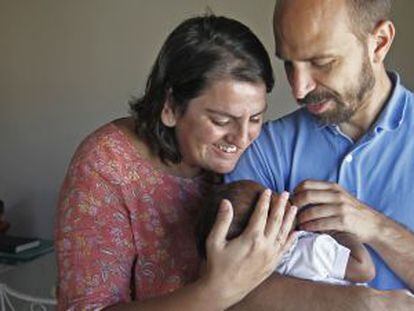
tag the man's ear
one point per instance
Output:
(168, 116)
(382, 38)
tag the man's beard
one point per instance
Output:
(354, 96)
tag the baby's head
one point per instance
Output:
(243, 195)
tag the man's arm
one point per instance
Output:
(360, 267)
(395, 244)
(335, 209)
(290, 294)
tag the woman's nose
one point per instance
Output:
(240, 136)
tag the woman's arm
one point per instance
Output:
(234, 268)
(281, 293)
(96, 250)
(195, 296)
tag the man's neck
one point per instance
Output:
(369, 111)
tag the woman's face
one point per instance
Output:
(218, 125)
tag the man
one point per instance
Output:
(347, 154)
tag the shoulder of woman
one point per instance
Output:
(110, 143)
(127, 127)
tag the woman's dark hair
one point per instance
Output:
(198, 52)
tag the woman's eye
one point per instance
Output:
(220, 122)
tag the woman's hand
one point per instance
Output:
(236, 267)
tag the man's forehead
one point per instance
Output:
(309, 26)
(307, 47)
(309, 5)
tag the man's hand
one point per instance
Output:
(330, 207)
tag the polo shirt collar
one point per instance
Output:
(392, 115)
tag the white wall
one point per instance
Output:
(67, 67)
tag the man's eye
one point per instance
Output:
(324, 64)
(256, 119)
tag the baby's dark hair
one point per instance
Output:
(242, 194)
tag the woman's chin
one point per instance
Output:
(223, 168)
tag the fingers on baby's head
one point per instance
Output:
(242, 194)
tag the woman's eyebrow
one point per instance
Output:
(223, 113)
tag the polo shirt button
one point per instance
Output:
(349, 158)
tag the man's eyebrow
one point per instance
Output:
(308, 59)
(233, 116)
(322, 56)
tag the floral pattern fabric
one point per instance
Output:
(125, 230)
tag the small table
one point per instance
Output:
(30, 285)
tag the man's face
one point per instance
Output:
(328, 68)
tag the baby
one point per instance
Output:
(337, 258)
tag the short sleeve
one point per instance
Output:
(94, 244)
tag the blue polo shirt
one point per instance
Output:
(378, 169)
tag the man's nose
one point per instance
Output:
(301, 81)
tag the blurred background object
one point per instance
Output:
(4, 225)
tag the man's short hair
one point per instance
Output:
(365, 15)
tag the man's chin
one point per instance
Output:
(333, 118)
(329, 112)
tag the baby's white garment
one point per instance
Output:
(316, 257)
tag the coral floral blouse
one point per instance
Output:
(124, 229)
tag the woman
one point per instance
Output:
(129, 202)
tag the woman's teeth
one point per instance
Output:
(227, 148)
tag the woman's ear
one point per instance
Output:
(168, 116)
(383, 37)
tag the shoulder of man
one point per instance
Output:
(286, 127)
